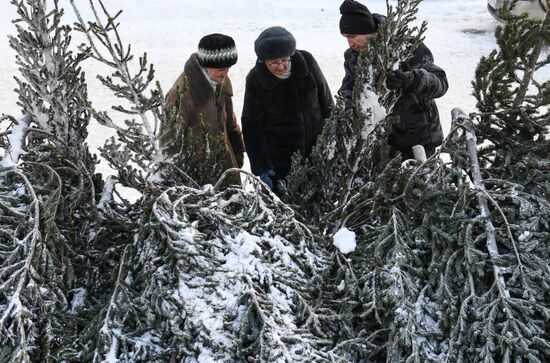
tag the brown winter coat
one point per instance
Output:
(197, 101)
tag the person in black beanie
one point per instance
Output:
(419, 80)
(203, 94)
(286, 101)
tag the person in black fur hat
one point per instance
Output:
(203, 94)
(286, 101)
(419, 80)
(273, 43)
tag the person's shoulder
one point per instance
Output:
(305, 53)
(379, 18)
(253, 75)
(349, 53)
(423, 49)
(227, 86)
(306, 56)
(422, 55)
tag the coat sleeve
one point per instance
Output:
(252, 122)
(346, 90)
(430, 80)
(325, 96)
(235, 138)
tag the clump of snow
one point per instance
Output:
(208, 188)
(341, 286)
(370, 105)
(78, 298)
(344, 240)
(15, 139)
(524, 236)
(331, 150)
(107, 194)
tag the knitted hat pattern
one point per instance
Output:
(217, 51)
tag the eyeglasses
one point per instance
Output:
(278, 62)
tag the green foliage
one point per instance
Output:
(48, 189)
(196, 159)
(451, 261)
(219, 275)
(514, 118)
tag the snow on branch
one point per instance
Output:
(139, 137)
(219, 274)
(53, 89)
(30, 291)
(15, 142)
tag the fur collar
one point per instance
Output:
(199, 86)
(269, 81)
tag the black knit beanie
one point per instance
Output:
(356, 19)
(217, 51)
(274, 42)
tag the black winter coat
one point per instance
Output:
(419, 118)
(283, 116)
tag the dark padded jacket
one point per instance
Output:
(283, 116)
(419, 118)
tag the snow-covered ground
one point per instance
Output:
(459, 33)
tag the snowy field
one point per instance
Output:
(459, 33)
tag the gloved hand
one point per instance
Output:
(399, 80)
(266, 177)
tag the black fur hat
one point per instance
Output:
(217, 51)
(356, 19)
(274, 42)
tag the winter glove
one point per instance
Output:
(265, 177)
(399, 80)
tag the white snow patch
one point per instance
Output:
(331, 150)
(370, 104)
(15, 138)
(344, 240)
(243, 255)
(524, 236)
(107, 194)
(341, 286)
(18, 192)
(79, 295)
(110, 357)
(370, 101)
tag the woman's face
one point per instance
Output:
(278, 66)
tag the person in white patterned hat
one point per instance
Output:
(203, 94)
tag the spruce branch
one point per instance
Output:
(140, 138)
(531, 65)
(16, 321)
